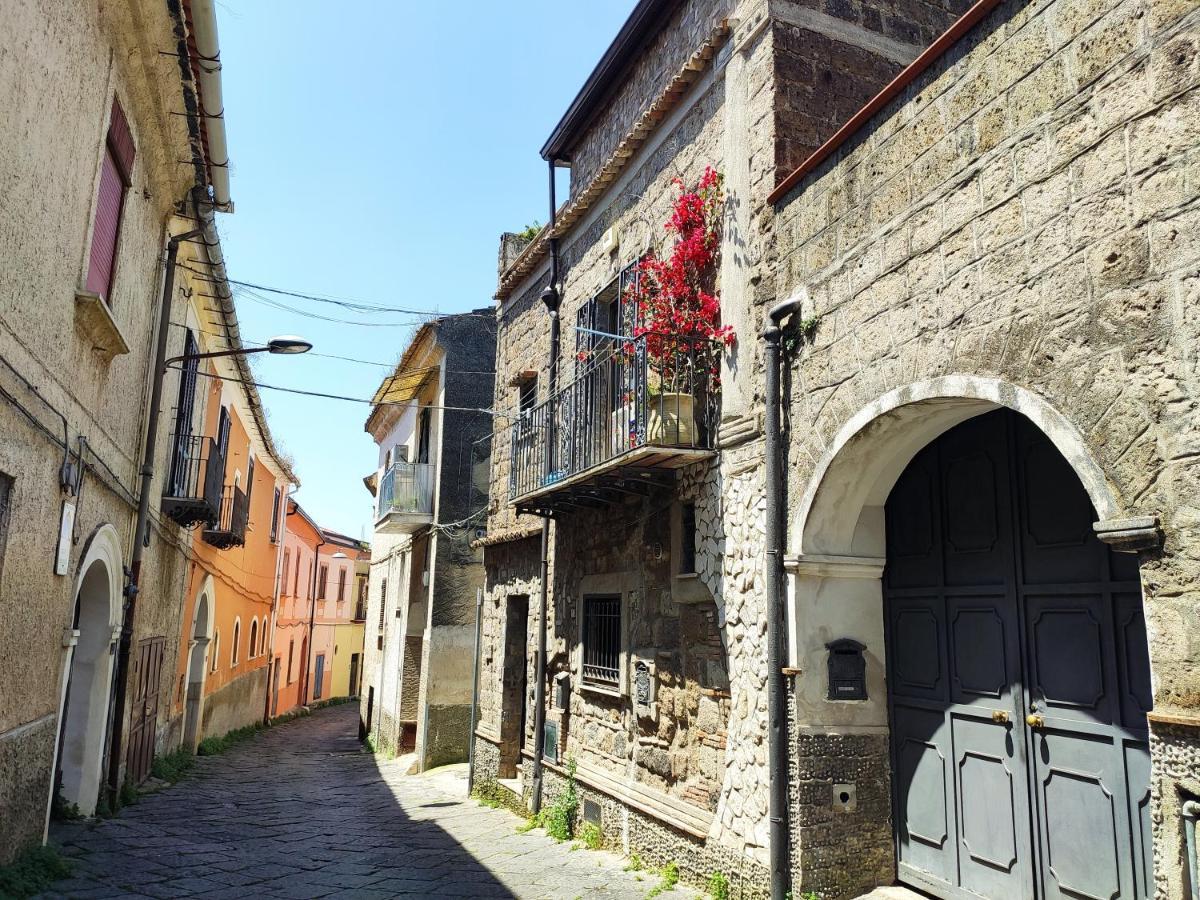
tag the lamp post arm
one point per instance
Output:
(188, 357)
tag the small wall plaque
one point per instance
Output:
(550, 738)
(643, 687)
(847, 670)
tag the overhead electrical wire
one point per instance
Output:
(363, 400)
(365, 362)
(355, 305)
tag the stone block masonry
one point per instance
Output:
(1022, 213)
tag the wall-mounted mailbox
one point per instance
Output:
(562, 691)
(847, 670)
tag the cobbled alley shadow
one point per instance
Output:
(299, 811)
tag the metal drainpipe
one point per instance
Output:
(474, 691)
(775, 537)
(134, 573)
(551, 299)
(1191, 812)
(312, 615)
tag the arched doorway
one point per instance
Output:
(84, 714)
(1018, 676)
(991, 637)
(200, 637)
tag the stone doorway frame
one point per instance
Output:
(199, 637)
(837, 550)
(85, 684)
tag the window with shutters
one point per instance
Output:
(322, 579)
(275, 516)
(382, 603)
(341, 584)
(602, 641)
(116, 168)
(287, 562)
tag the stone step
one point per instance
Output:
(893, 892)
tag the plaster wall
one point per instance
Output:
(61, 64)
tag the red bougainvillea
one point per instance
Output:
(678, 311)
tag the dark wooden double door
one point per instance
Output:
(1018, 676)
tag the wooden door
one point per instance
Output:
(1002, 605)
(143, 713)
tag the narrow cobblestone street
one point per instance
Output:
(300, 811)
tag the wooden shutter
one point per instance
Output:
(115, 175)
(108, 222)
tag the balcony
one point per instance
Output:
(230, 528)
(192, 494)
(638, 409)
(405, 498)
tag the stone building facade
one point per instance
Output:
(427, 419)
(744, 88)
(991, 260)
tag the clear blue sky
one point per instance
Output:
(378, 151)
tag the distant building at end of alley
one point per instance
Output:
(431, 418)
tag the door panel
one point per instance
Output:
(1002, 603)
(1078, 780)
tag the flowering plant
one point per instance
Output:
(678, 312)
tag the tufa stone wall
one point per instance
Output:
(1026, 211)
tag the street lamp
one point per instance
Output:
(284, 345)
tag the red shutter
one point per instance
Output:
(108, 221)
(121, 141)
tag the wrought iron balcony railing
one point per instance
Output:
(647, 402)
(230, 528)
(192, 494)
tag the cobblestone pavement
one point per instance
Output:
(300, 811)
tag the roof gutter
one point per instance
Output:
(212, 107)
(223, 294)
(647, 18)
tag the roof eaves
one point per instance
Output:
(643, 24)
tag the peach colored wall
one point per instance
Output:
(243, 577)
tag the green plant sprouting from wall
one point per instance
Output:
(591, 836)
(559, 817)
(797, 332)
(669, 875)
(718, 886)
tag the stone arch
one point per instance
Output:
(836, 536)
(88, 670)
(199, 636)
(853, 475)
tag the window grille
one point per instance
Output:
(687, 539)
(602, 640)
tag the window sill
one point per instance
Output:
(602, 689)
(95, 323)
(689, 588)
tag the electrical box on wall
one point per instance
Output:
(847, 670)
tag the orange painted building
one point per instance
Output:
(228, 608)
(318, 629)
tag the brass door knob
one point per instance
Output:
(1001, 716)
(1035, 721)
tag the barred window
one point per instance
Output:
(602, 640)
(687, 539)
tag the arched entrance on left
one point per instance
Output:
(87, 672)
